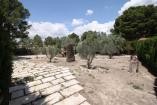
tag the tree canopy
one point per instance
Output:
(37, 41)
(88, 33)
(137, 22)
(49, 41)
(74, 37)
(13, 16)
(13, 25)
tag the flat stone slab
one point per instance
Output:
(75, 99)
(51, 85)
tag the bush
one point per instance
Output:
(51, 52)
(111, 45)
(147, 53)
(87, 50)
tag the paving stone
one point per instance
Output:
(71, 90)
(15, 88)
(58, 72)
(64, 71)
(48, 79)
(65, 68)
(51, 90)
(52, 74)
(37, 71)
(69, 77)
(63, 74)
(85, 103)
(42, 73)
(25, 99)
(70, 83)
(37, 88)
(49, 100)
(75, 99)
(34, 83)
(51, 86)
(57, 81)
(55, 72)
(38, 77)
(17, 94)
(48, 75)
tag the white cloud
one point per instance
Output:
(89, 12)
(77, 22)
(94, 26)
(45, 29)
(131, 3)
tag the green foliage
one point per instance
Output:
(57, 41)
(37, 44)
(26, 43)
(12, 25)
(67, 41)
(111, 45)
(37, 41)
(89, 33)
(137, 22)
(49, 41)
(15, 15)
(147, 53)
(88, 47)
(74, 37)
(53, 41)
(51, 52)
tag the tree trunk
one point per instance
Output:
(88, 64)
(70, 53)
(50, 60)
(110, 56)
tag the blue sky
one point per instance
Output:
(65, 10)
(61, 17)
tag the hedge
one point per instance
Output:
(147, 53)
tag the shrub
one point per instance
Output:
(147, 53)
(111, 45)
(87, 50)
(51, 52)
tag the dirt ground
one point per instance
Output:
(110, 83)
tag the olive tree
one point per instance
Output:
(51, 52)
(87, 49)
(111, 45)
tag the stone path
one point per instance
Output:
(51, 85)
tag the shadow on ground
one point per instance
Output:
(20, 57)
(21, 95)
(153, 72)
(155, 87)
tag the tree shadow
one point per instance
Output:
(153, 71)
(21, 58)
(20, 93)
(155, 86)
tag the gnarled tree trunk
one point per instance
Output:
(70, 55)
